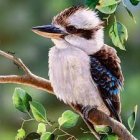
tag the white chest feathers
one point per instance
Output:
(69, 71)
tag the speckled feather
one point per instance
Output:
(108, 57)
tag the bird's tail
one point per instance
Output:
(113, 110)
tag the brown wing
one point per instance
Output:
(108, 57)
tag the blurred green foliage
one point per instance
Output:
(16, 19)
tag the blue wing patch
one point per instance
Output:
(104, 79)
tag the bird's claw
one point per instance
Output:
(86, 110)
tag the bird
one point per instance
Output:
(83, 70)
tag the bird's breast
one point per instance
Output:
(69, 72)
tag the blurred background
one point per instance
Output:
(16, 19)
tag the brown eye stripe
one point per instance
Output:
(85, 33)
(81, 32)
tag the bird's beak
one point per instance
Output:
(49, 31)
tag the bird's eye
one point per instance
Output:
(71, 29)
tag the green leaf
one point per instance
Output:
(68, 119)
(41, 128)
(101, 129)
(110, 137)
(132, 119)
(105, 3)
(21, 100)
(32, 136)
(130, 14)
(92, 3)
(108, 9)
(47, 136)
(118, 34)
(135, 2)
(20, 135)
(38, 111)
(107, 6)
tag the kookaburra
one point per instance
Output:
(83, 70)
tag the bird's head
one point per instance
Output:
(75, 26)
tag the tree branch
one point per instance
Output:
(95, 116)
(29, 80)
(118, 128)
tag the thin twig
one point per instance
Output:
(24, 121)
(18, 61)
(107, 18)
(67, 133)
(59, 136)
(71, 138)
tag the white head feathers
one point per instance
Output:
(84, 18)
(87, 23)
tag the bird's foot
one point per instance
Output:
(86, 110)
